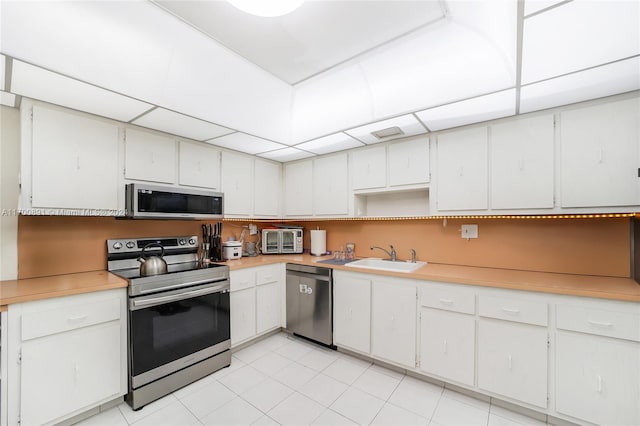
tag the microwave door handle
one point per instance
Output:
(152, 301)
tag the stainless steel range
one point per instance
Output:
(179, 323)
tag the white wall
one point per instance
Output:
(9, 169)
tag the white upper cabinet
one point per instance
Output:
(462, 170)
(522, 166)
(150, 157)
(408, 162)
(237, 184)
(266, 188)
(73, 162)
(599, 155)
(369, 168)
(298, 183)
(199, 165)
(330, 185)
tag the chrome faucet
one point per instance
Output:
(391, 254)
(413, 255)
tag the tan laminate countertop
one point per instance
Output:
(27, 290)
(625, 289)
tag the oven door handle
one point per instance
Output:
(180, 296)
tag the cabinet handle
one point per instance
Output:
(445, 347)
(510, 364)
(600, 324)
(448, 302)
(153, 159)
(599, 383)
(78, 318)
(511, 311)
(601, 156)
(521, 164)
(350, 313)
(78, 162)
(461, 171)
(408, 162)
(76, 373)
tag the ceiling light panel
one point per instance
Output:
(181, 125)
(611, 79)
(37, 83)
(331, 143)
(578, 35)
(286, 154)
(533, 6)
(475, 110)
(407, 123)
(8, 99)
(2, 70)
(245, 143)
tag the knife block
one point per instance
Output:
(215, 253)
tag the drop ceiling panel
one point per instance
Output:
(286, 154)
(331, 143)
(482, 108)
(533, 6)
(316, 36)
(181, 125)
(611, 79)
(578, 35)
(2, 70)
(37, 83)
(407, 123)
(8, 99)
(245, 143)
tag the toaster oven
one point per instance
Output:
(280, 241)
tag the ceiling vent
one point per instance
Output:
(388, 132)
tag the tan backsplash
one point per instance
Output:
(49, 245)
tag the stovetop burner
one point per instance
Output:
(134, 273)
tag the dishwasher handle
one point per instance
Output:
(308, 275)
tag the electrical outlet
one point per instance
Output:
(253, 229)
(469, 231)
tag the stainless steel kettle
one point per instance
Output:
(152, 265)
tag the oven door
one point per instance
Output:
(172, 330)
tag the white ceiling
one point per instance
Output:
(322, 78)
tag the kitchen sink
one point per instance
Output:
(386, 265)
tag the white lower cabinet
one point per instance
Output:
(512, 360)
(66, 356)
(447, 345)
(393, 321)
(597, 379)
(352, 311)
(243, 315)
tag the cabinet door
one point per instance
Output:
(330, 185)
(298, 184)
(447, 345)
(237, 184)
(522, 166)
(600, 155)
(74, 161)
(352, 312)
(268, 306)
(512, 360)
(462, 170)
(409, 162)
(369, 167)
(266, 186)
(597, 379)
(150, 157)
(199, 165)
(243, 315)
(393, 322)
(66, 372)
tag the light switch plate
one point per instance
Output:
(469, 231)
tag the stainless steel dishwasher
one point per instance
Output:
(310, 303)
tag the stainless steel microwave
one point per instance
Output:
(285, 240)
(165, 202)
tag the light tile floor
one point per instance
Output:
(288, 381)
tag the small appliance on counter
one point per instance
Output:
(282, 240)
(232, 250)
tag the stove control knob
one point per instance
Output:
(130, 244)
(117, 245)
(192, 241)
(182, 242)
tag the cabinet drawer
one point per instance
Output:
(244, 278)
(69, 317)
(268, 274)
(448, 297)
(513, 310)
(621, 325)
